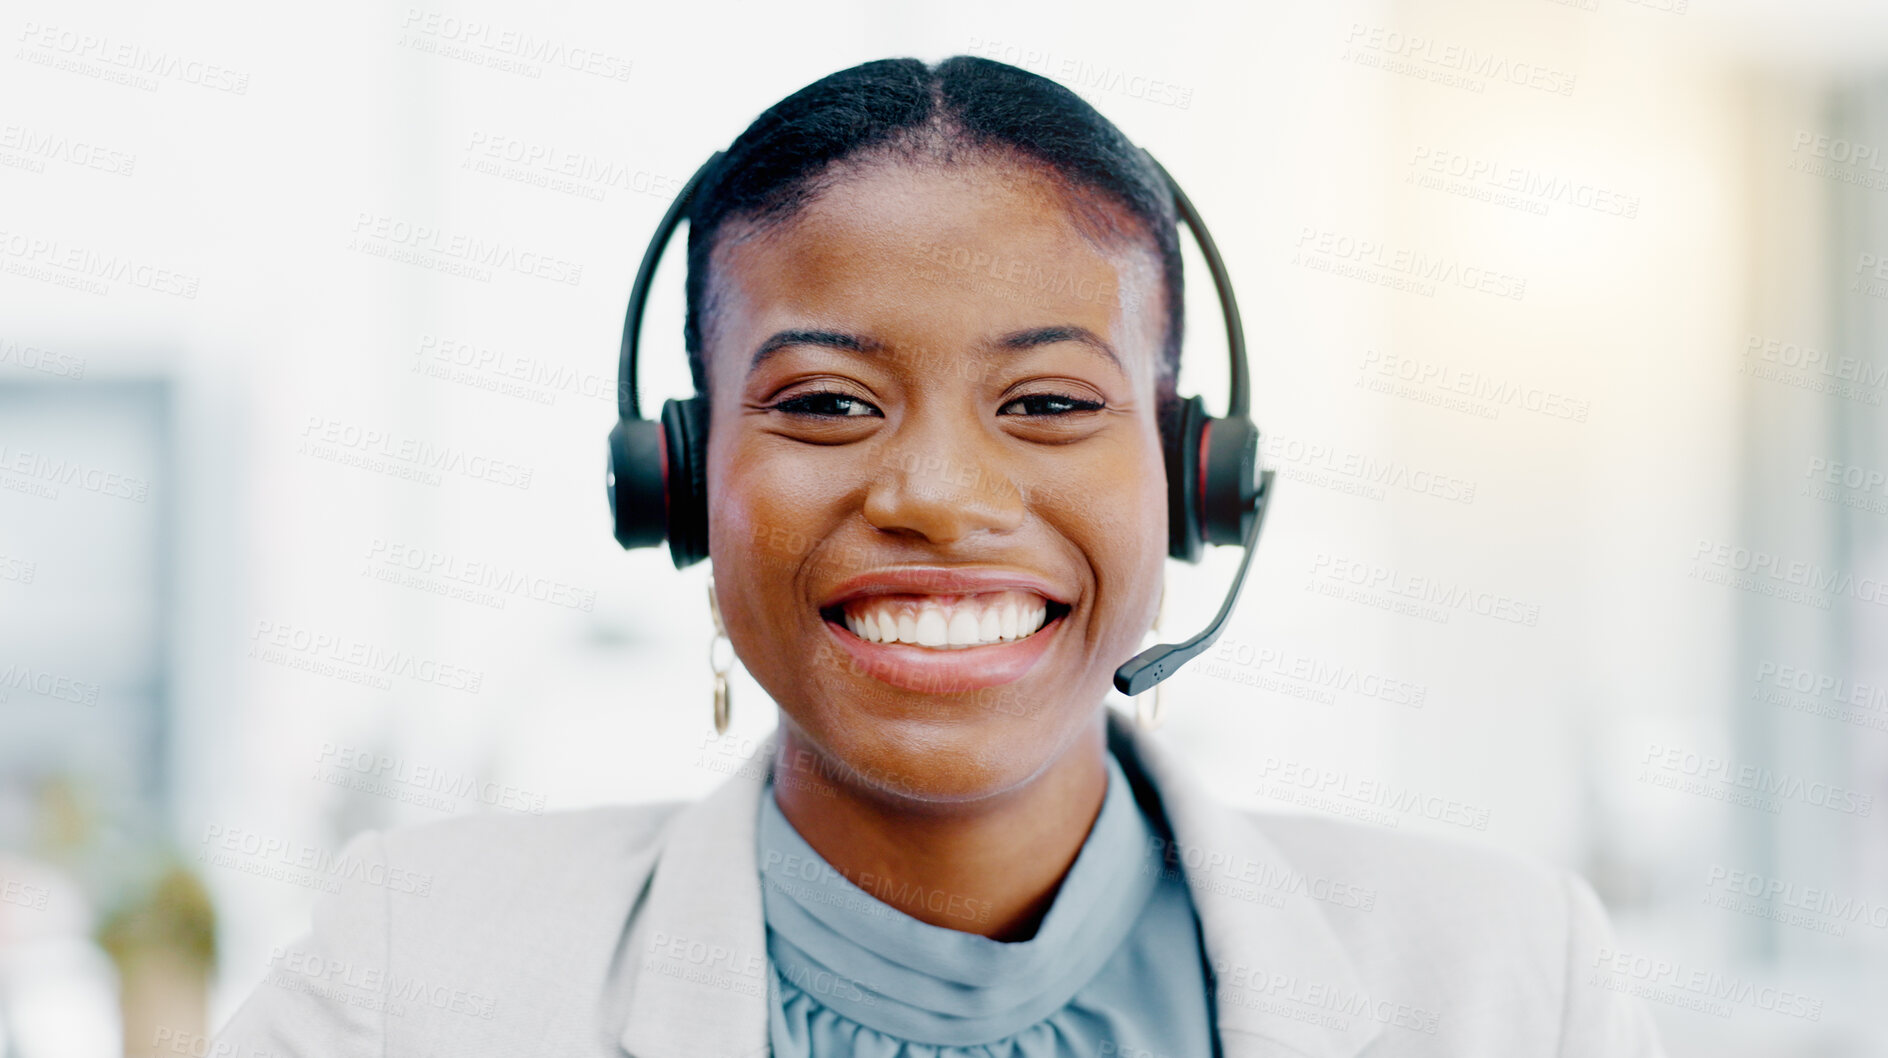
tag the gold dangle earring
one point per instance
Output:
(720, 668)
(1145, 718)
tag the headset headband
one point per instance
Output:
(627, 406)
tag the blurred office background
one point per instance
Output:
(1568, 310)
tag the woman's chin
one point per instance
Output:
(944, 755)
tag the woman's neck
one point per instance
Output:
(990, 867)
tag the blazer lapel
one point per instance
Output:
(1283, 983)
(696, 958)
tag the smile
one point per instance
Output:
(948, 622)
(944, 630)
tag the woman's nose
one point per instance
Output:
(943, 492)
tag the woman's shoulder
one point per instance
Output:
(1404, 903)
(454, 927)
(1371, 854)
(1406, 860)
(509, 849)
(581, 827)
(1513, 932)
(1435, 891)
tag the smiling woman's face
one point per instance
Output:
(937, 501)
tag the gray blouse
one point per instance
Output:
(1116, 967)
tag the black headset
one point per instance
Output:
(1216, 493)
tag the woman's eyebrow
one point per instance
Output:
(1015, 341)
(1029, 339)
(830, 339)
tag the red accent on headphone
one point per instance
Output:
(662, 449)
(1206, 442)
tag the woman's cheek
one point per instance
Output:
(745, 486)
(1125, 498)
(753, 549)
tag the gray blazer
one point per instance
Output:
(638, 930)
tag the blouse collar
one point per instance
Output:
(875, 965)
(704, 896)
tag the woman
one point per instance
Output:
(937, 517)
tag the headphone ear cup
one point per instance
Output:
(1184, 539)
(638, 497)
(685, 436)
(1230, 482)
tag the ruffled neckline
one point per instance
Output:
(866, 960)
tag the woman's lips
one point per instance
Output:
(946, 670)
(940, 581)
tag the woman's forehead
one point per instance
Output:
(955, 250)
(871, 204)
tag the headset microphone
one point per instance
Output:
(657, 480)
(1217, 459)
(1162, 660)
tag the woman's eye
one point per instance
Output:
(827, 405)
(1048, 404)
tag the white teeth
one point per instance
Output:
(947, 622)
(990, 628)
(963, 629)
(931, 629)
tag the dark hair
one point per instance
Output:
(902, 108)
